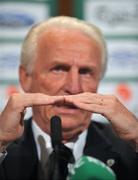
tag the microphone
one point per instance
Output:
(61, 155)
(56, 132)
(56, 139)
(88, 168)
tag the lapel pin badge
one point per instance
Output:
(110, 162)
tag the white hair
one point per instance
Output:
(29, 47)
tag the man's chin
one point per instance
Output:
(69, 123)
(72, 124)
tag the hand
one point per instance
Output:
(122, 120)
(11, 119)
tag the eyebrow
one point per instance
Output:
(84, 65)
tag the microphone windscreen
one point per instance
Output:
(88, 168)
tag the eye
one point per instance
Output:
(60, 68)
(85, 71)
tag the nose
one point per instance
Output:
(73, 83)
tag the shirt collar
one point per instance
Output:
(77, 146)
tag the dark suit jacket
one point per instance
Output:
(22, 162)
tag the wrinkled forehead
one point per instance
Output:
(67, 46)
(55, 35)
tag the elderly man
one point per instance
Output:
(62, 62)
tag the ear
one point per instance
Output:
(25, 79)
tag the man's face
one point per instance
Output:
(68, 63)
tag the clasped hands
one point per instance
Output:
(123, 121)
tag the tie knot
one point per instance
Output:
(66, 154)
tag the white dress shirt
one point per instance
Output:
(76, 146)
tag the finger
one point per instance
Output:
(21, 101)
(93, 108)
(87, 98)
(30, 99)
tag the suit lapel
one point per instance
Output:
(30, 152)
(99, 146)
(22, 159)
